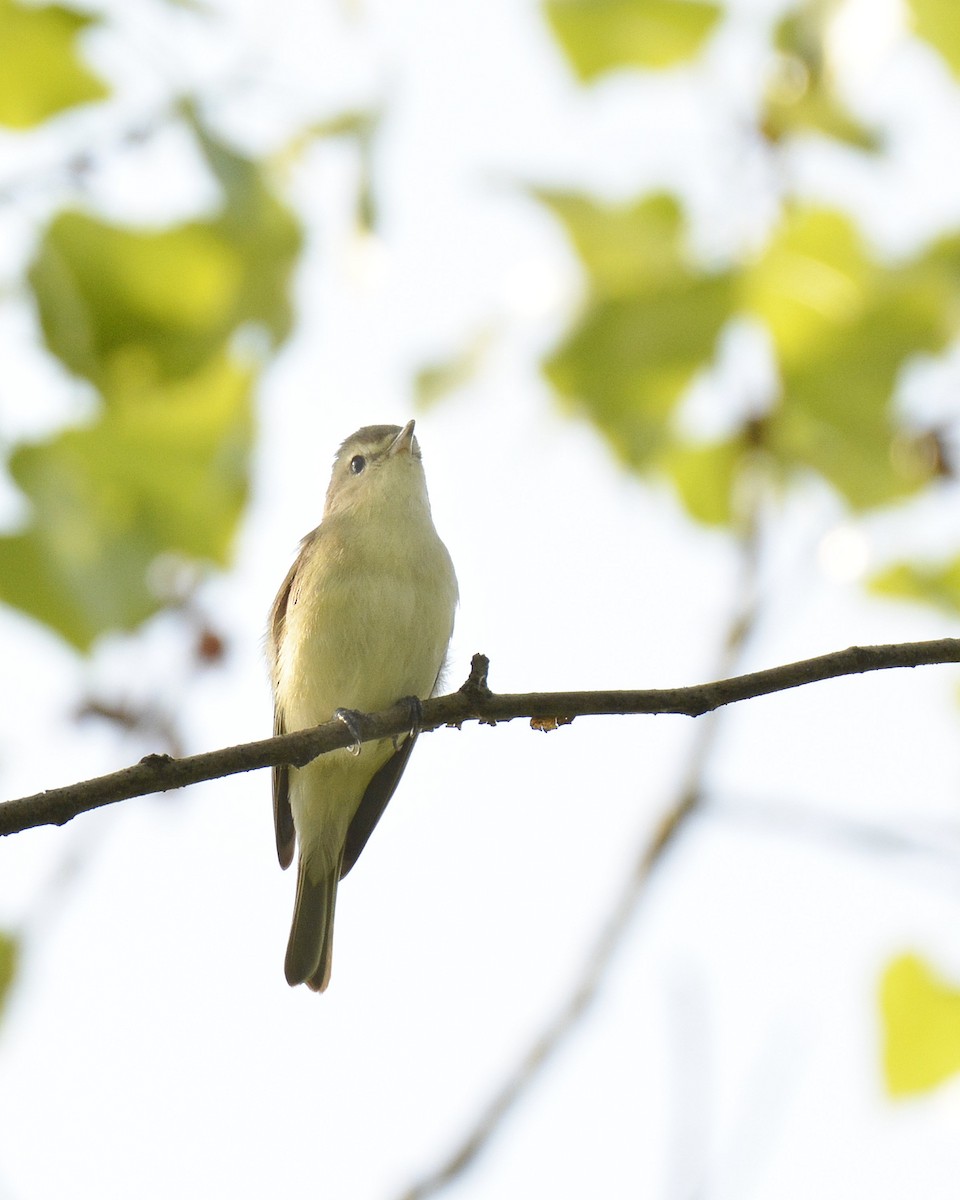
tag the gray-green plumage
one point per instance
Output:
(362, 620)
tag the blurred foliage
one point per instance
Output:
(158, 321)
(602, 35)
(705, 476)
(921, 1027)
(124, 307)
(163, 470)
(9, 961)
(801, 95)
(650, 323)
(841, 323)
(41, 73)
(936, 22)
(937, 585)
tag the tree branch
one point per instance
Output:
(473, 702)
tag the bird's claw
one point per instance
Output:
(349, 717)
(416, 719)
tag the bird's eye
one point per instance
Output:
(357, 463)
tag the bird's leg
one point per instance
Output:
(349, 717)
(416, 715)
(416, 719)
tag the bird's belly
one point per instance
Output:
(362, 644)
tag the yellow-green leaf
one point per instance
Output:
(133, 308)
(9, 962)
(924, 583)
(154, 319)
(843, 326)
(41, 73)
(623, 247)
(705, 476)
(802, 96)
(162, 471)
(121, 306)
(602, 35)
(814, 109)
(651, 323)
(936, 22)
(921, 1027)
(262, 230)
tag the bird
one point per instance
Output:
(362, 620)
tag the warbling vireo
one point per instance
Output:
(363, 619)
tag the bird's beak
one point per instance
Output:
(403, 441)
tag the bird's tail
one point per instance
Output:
(310, 949)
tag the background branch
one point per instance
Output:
(593, 968)
(473, 702)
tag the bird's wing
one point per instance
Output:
(282, 814)
(375, 799)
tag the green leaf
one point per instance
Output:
(921, 1027)
(154, 319)
(802, 94)
(843, 326)
(119, 305)
(9, 963)
(936, 22)
(131, 308)
(164, 470)
(652, 322)
(262, 231)
(815, 109)
(705, 476)
(41, 73)
(622, 247)
(602, 35)
(936, 585)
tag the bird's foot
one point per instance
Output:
(349, 717)
(416, 718)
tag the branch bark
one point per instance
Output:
(472, 702)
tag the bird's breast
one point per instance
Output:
(363, 630)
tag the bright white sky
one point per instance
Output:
(153, 1048)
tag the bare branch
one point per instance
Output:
(575, 1004)
(473, 702)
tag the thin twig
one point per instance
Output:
(473, 702)
(555, 1032)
